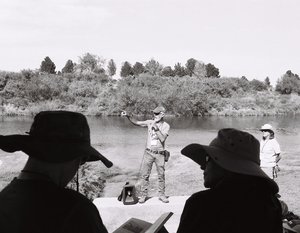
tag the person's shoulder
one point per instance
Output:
(202, 196)
(166, 123)
(76, 196)
(78, 200)
(274, 140)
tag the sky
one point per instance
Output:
(252, 38)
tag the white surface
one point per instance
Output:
(114, 213)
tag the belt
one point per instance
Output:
(155, 151)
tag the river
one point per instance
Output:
(117, 138)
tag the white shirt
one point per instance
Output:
(268, 150)
(153, 141)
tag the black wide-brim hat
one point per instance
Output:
(55, 137)
(232, 149)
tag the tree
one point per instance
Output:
(92, 63)
(244, 78)
(212, 71)
(179, 70)
(267, 82)
(111, 67)
(167, 72)
(190, 66)
(258, 85)
(126, 69)
(200, 70)
(138, 68)
(153, 67)
(48, 66)
(69, 67)
(288, 83)
(244, 83)
(28, 74)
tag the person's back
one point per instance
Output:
(240, 198)
(41, 206)
(37, 201)
(239, 203)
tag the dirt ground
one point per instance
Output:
(183, 177)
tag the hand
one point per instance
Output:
(124, 114)
(154, 127)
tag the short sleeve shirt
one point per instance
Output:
(153, 141)
(268, 150)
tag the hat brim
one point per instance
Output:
(223, 158)
(266, 130)
(156, 111)
(50, 151)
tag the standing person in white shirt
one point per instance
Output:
(269, 151)
(158, 131)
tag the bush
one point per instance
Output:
(90, 183)
(257, 85)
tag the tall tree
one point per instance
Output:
(153, 67)
(69, 67)
(111, 68)
(138, 68)
(48, 66)
(126, 69)
(212, 71)
(179, 70)
(267, 82)
(190, 66)
(288, 83)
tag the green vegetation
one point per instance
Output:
(195, 89)
(27, 93)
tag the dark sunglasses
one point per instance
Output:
(265, 131)
(155, 113)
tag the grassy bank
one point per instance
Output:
(255, 104)
(97, 94)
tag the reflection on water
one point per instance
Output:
(121, 141)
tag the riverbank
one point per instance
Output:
(99, 95)
(258, 104)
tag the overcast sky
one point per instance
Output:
(254, 38)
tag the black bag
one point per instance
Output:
(167, 155)
(128, 194)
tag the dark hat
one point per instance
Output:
(55, 136)
(232, 149)
(159, 109)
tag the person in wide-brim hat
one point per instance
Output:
(55, 137)
(57, 144)
(240, 196)
(269, 151)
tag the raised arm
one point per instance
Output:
(132, 120)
